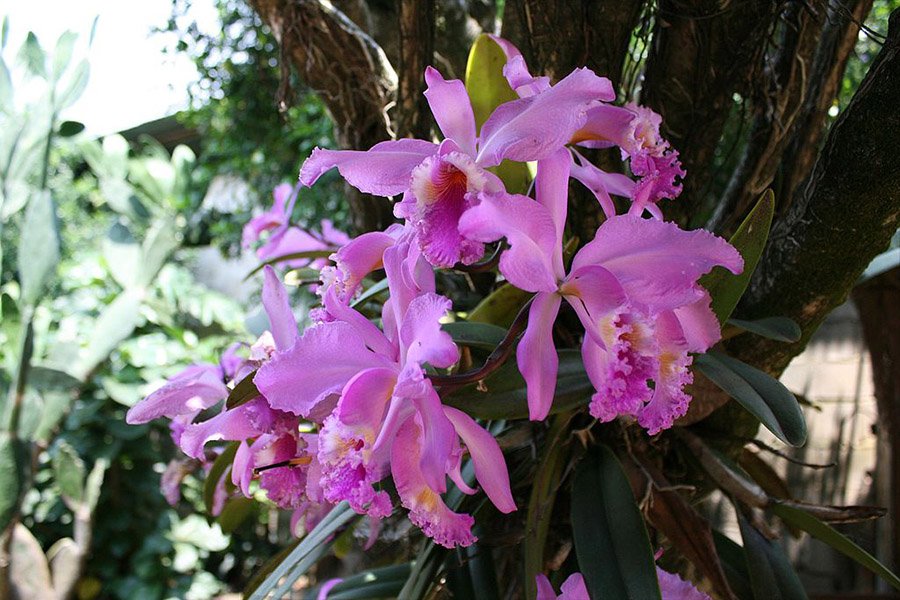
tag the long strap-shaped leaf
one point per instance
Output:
(765, 397)
(838, 541)
(611, 541)
(304, 555)
(771, 575)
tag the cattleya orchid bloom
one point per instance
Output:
(671, 587)
(634, 288)
(634, 129)
(441, 181)
(285, 239)
(388, 417)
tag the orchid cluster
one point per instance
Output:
(350, 404)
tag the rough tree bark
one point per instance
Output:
(351, 74)
(789, 113)
(703, 52)
(843, 217)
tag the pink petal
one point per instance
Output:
(593, 292)
(355, 260)
(289, 241)
(281, 318)
(438, 436)
(544, 589)
(621, 368)
(452, 109)
(528, 227)
(536, 355)
(490, 466)
(367, 330)
(383, 170)
(443, 186)
(196, 388)
(516, 71)
(421, 336)
(241, 423)
(657, 262)
(574, 588)
(426, 507)
(699, 323)
(242, 468)
(320, 363)
(673, 587)
(533, 128)
(346, 441)
(552, 191)
(669, 400)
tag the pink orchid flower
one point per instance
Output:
(285, 239)
(634, 129)
(671, 587)
(439, 182)
(634, 288)
(388, 417)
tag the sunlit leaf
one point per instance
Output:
(38, 246)
(12, 463)
(763, 396)
(611, 542)
(117, 321)
(33, 57)
(62, 53)
(75, 85)
(69, 472)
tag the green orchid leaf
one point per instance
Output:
(611, 541)
(544, 489)
(483, 336)
(502, 395)
(773, 577)
(828, 534)
(235, 512)
(500, 307)
(304, 555)
(781, 329)
(763, 396)
(725, 288)
(244, 391)
(384, 582)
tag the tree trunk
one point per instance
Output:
(878, 302)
